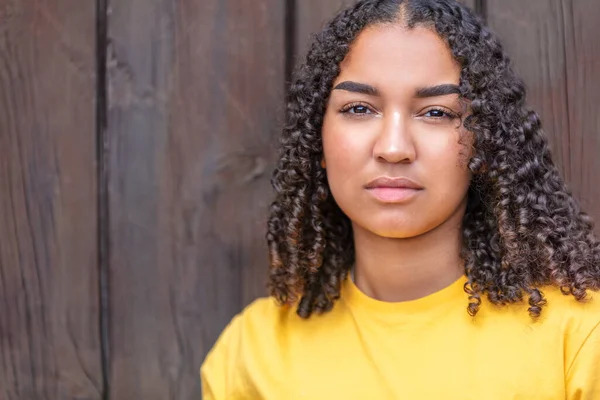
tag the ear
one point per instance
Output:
(323, 165)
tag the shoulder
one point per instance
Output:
(266, 321)
(246, 332)
(264, 316)
(261, 312)
(265, 326)
(559, 310)
(255, 341)
(578, 321)
(571, 311)
(261, 321)
(562, 318)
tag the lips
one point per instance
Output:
(397, 183)
(393, 190)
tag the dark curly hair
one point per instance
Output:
(522, 228)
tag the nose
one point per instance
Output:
(394, 143)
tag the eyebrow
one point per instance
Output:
(429, 91)
(356, 87)
(439, 90)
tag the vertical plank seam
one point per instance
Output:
(567, 167)
(290, 42)
(103, 223)
(481, 9)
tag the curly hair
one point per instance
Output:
(522, 228)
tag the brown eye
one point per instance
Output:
(356, 109)
(359, 110)
(437, 113)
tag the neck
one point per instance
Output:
(393, 270)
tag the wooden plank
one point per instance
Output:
(533, 36)
(582, 58)
(469, 3)
(554, 47)
(49, 313)
(196, 102)
(311, 16)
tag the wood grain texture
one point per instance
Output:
(555, 48)
(49, 313)
(195, 105)
(310, 17)
(469, 3)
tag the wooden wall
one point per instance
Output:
(50, 347)
(554, 45)
(195, 94)
(137, 139)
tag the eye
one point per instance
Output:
(438, 113)
(356, 109)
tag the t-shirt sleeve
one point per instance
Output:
(583, 375)
(215, 371)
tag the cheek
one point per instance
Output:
(446, 162)
(344, 147)
(337, 149)
(346, 156)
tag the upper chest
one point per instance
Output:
(358, 358)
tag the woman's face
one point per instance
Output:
(395, 114)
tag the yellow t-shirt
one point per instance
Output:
(428, 348)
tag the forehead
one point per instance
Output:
(389, 56)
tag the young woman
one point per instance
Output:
(422, 242)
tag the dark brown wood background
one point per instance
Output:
(137, 139)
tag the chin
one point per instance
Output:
(398, 231)
(398, 234)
